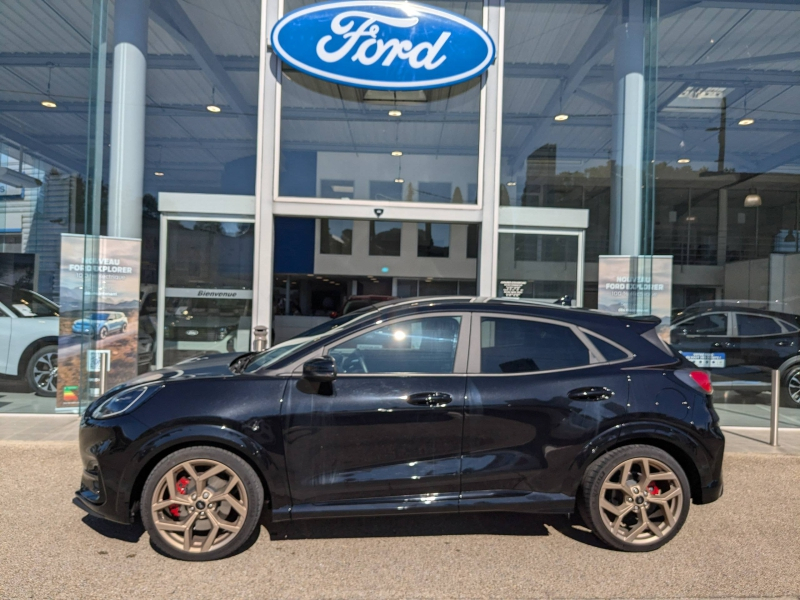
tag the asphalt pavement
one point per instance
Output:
(746, 545)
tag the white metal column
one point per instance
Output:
(268, 139)
(492, 123)
(628, 133)
(126, 177)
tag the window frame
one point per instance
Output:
(474, 365)
(462, 348)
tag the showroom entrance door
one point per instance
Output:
(205, 292)
(541, 264)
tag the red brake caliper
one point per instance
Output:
(181, 485)
(654, 489)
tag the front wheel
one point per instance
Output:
(103, 333)
(42, 371)
(635, 498)
(201, 503)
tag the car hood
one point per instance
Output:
(212, 365)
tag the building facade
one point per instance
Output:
(266, 195)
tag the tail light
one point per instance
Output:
(698, 379)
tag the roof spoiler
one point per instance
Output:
(642, 323)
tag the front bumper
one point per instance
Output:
(106, 450)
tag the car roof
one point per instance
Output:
(523, 306)
(693, 311)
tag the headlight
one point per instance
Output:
(123, 401)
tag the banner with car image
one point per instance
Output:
(98, 342)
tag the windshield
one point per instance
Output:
(26, 303)
(271, 356)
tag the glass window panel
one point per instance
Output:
(520, 346)
(438, 288)
(384, 238)
(331, 132)
(753, 325)
(714, 324)
(609, 351)
(473, 240)
(433, 239)
(415, 346)
(336, 236)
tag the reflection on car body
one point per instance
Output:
(415, 406)
(739, 342)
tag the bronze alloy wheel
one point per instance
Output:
(635, 498)
(201, 503)
(640, 500)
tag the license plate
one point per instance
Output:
(706, 360)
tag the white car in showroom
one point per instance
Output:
(29, 338)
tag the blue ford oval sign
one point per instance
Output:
(382, 44)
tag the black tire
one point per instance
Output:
(245, 473)
(35, 372)
(790, 388)
(103, 333)
(592, 488)
(124, 327)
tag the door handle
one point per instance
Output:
(429, 399)
(591, 393)
(784, 343)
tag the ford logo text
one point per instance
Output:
(383, 45)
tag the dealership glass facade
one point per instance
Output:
(263, 195)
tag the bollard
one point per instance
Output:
(260, 338)
(774, 414)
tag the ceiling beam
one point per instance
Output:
(42, 150)
(80, 60)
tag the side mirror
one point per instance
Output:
(320, 370)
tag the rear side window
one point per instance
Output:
(522, 346)
(609, 351)
(753, 325)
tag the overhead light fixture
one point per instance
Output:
(752, 199)
(684, 161)
(399, 180)
(159, 174)
(49, 102)
(213, 106)
(395, 113)
(746, 121)
(561, 117)
(17, 179)
(511, 183)
(397, 153)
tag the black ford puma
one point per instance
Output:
(417, 406)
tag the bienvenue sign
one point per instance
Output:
(384, 45)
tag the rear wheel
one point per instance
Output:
(790, 395)
(635, 498)
(201, 503)
(42, 371)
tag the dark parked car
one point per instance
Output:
(418, 406)
(355, 303)
(739, 342)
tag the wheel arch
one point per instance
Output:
(32, 349)
(678, 444)
(790, 363)
(234, 447)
